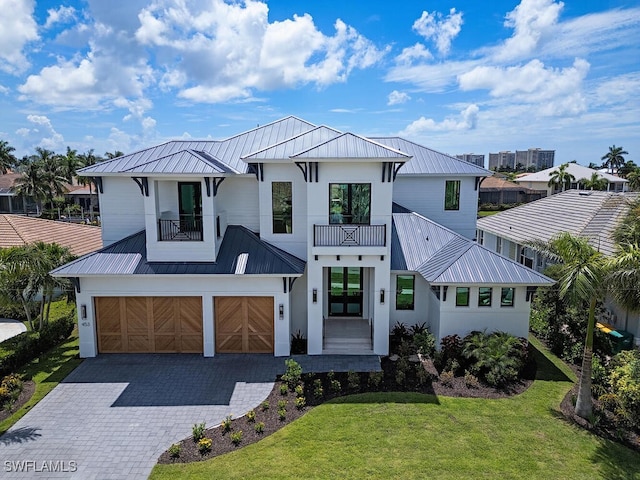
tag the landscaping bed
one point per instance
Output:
(26, 391)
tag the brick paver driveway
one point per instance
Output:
(114, 415)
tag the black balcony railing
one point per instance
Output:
(345, 235)
(187, 228)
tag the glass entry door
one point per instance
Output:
(345, 291)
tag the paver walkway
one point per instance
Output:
(114, 415)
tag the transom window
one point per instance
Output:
(350, 203)
(506, 297)
(452, 195)
(484, 296)
(462, 296)
(282, 207)
(405, 292)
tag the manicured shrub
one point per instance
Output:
(422, 376)
(10, 389)
(375, 378)
(251, 416)
(497, 358)
(446, 378)
(471, 381)
(353, 380)
(175, 450)
(300, 403)
(318, 391)
(226, 423)
(292, 374)
(425, 343)
(264, 405)
(236, 437)
(282, 405)
(298, 343)
(418, 328)
(282, 414)
(400, 331)
(335, 385)
(284, 389)
(259, 427)
(299, 391)
(451, 347)
(197, 431)
(625, 384)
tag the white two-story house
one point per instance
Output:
(234, 245)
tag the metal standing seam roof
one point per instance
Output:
(129, 257)
(291, 146)
(183, 161)
(426, 161)
(444, 257)
(578, 171)
(349, 145)
(590, 214)
(228, 152)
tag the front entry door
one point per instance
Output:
(345, 291)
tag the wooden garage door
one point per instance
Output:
(244, 324)
(149, 324)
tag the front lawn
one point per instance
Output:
(409, 435)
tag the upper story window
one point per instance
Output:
(499, 245)
(462, 296)
(405, 292)
(350, 203)
(452, 195)
(282, 207)
(480, 236)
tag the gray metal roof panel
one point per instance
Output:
(590, 214)
(128, 257)
(426, 161)
(294, 145)
(181, 162)
(349, 145)
(442, 256)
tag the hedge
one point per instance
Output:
(25, 347)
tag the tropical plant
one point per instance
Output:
(30, 185)
(114, 154)
(561, 176)
(581, 273)
(596, 182)
(497, 357)
(634, 180)
(628, 167)
(86, 160)
(69, 164)
(614, 159)
(623, 276)
(7, 159)
(628, 229)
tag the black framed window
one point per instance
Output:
(484, 296)
(282, 207)
(462, 296)
(405, 292)
(507, 297)
(452, 195)
(350, 203)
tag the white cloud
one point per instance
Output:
(4, 90)
(228, 50)
(61, 15)
(410, 54)
(17, 29)
(442, 30)
(466, 120)
(532, 83)
(618, 90)
(41, 134)
(396, 98)
(532, 21)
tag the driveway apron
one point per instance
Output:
(114, 415)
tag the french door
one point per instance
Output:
(345, 291)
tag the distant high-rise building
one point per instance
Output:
(502, 159)
(535, 157)
(472, 158)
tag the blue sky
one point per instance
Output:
(459, 77)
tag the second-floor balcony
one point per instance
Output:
(186, 228)
(348, 235)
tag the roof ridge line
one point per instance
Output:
(386, 147)
(509, 260)
(272, 248)
(10, 222)
(439, 272)
(266, 125)
(288, 140)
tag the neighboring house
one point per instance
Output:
(540, 180)
(590, 214)
(498, 190)
(18, 230)
(85, 197)
(9, 201)
(234, 245)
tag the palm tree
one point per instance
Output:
(31, 185)
(614, 157)
(624, 276)
(561, 176)
(7, 159)
(51, 172)
(15, 280)
(634, 180)
(596, 182)
(86, 160)
(581, 273)
(70, 163)
(115, 154)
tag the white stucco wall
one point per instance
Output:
(170, 286)
(425, 195)
(463, 320)
(420, 312)
(121, 209)
(238, 202)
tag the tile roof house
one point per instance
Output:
(540, 180)
(233, 245)
(590, 214)
(498, 190)
(17, 230)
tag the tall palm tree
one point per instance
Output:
(561, 177)
(114, 154)
(7, 159)
(86, 160)
(51, 172)
(634, 180)
(69, 164)
(16, 284)
(581, 273)
(614, 159)
(596, 182)
(623, 276)
(31, 185)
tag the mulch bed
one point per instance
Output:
(221, 441)
(28, 388)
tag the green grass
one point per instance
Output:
(403, 435)
(486, 213)
(47, 372)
